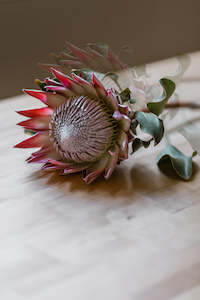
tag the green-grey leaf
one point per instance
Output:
(29, 131)
(181, 163)
(134, 125)
(125, 95)
(158, 106)
(112, 75)
(138, 143)
(151, 124)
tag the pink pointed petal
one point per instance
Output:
(68, 82)
(51, 99)
(38, 123)
(81, 54)
(65, 80)
(58, 163)
(42, 158)
(65, 55)
(55, 88)
(37, 140)
(112, 100)
(41, 95)
(95, 171)
(111, 165)
(94, 53)
(52, 164)
(125, 123)
(38, 112)
(123, 144)
(80, 79)
(102, 63)
(49, 167)
(73, 170)
(117, 65)
(42, 150)
(99, 87)
(73, 63)
(89, 89)
(49, 66)
(50, 81)
(61, 91)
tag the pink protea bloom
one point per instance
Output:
(82, 128)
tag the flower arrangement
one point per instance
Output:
(90, 118)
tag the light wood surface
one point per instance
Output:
(133, 237)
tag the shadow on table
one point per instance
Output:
(139, 179)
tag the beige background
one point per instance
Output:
(30, 30)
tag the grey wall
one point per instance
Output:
(31, 29)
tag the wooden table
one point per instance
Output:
(133, 237)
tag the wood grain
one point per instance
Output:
(133, 237)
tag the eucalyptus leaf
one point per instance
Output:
(132, 100)
(151, 124)
(112, 75)
(158, 106)
(29, 131)
(134, 125)
(181, 163)
(125, 95)
(138, 143)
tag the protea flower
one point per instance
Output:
(96, 57)
(82, 128)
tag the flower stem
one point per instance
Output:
(174, 105)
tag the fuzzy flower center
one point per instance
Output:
(82, 129)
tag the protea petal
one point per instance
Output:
(123, 144)
(74, 169)
(50, 99)
(72, 63)
(65, 55)
(125, 123)
(49, 66)
(95, 171)
(117, 65)
(38, 112)
(37, 140)
(43, 156)
(68, 82)
(87, 86)
(99, 87)
(112, 100)
(112, 161)
(37, 123)
(81, 54)
(50, 81)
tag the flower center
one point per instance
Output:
(82, 129)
